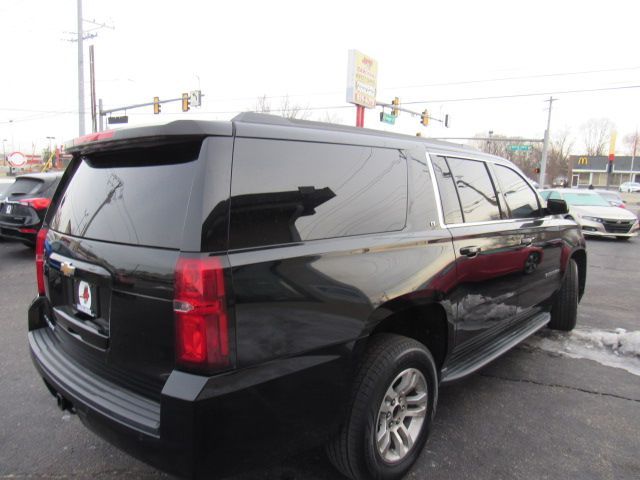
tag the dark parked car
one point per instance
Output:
(24, 203)
(212, 295)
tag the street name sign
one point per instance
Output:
(387, 118)
(520, 148)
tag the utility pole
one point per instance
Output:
(92, 80)
(633, 155)
(100, 116)
(80, 73)
(545, 148)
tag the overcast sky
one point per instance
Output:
(442, 53)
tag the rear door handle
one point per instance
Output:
(470, 251)
(527, 241)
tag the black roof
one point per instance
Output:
(250, 124)
(273, 120)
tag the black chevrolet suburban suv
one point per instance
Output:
(212, 295)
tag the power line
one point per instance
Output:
(517, 95)
(458, 82)
(521, 77)
(339, 107)
(496, 97)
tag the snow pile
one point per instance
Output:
(618, 348)
(619, 342)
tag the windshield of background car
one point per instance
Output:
(610, 196)
(23, 186)
(545, 194)
(585, 200)
(136, 197)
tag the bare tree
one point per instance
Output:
(557, 160)
(632, 142)
(559, 150)
(499, 145)
(496, 145)
(595, 133)
(287, 108)
(263, 105)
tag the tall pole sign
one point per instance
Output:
(612, 155)
(362, 78)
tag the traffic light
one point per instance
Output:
(156, 105)
(186, 102)
(424, 118)
(446, 120)
(536, 170)
(396, 103)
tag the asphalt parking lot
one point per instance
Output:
(531, 414)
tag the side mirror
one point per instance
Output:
(555, 206)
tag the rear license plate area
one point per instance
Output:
(85, 296)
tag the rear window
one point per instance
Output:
(23, 186)
(136, 197)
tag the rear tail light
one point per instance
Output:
(37, 203)
(40, 241)
(202, 322)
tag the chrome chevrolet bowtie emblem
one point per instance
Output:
(67, 269)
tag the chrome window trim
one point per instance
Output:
(436, 188)
(490, 222)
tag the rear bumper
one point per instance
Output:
(13, 233)
(124, 418)
(204, 425)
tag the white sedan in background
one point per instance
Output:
(629, 187)
(595, 215)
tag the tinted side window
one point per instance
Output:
(285, 191)
(555, 195)
(475, 189)
(448, 194)
(520, 198)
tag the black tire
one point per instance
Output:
(354, 450)
(564, 311)
(623, 239)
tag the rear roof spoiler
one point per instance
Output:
(179, 128)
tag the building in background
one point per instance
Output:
(585, 170)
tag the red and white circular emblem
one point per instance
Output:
(84, 297)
